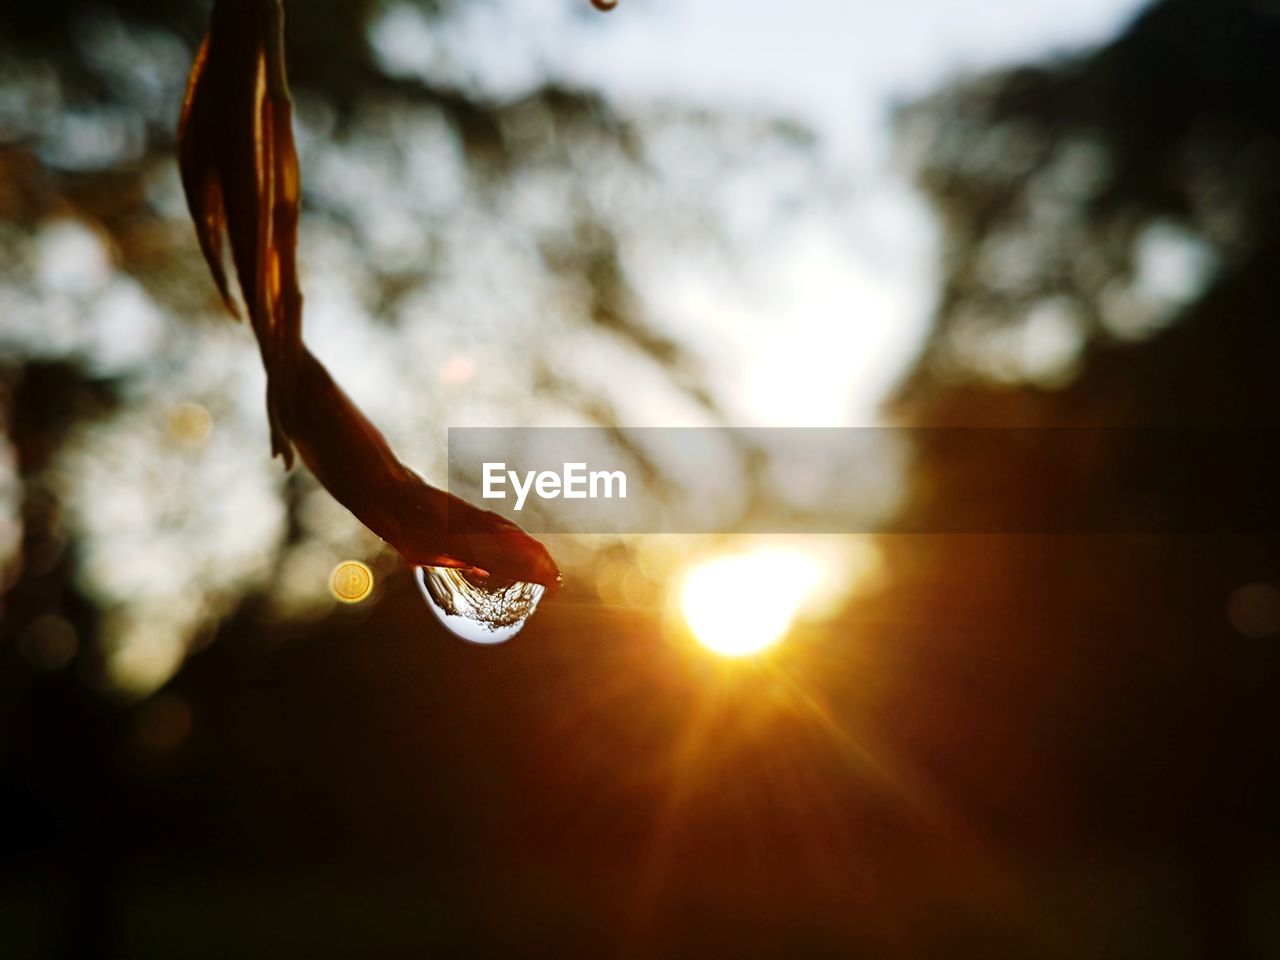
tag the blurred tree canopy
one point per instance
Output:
(1097, 711)
(1091, 204)
(1111, 239)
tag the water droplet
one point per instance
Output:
(478, 609)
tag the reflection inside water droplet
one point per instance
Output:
(478, 609)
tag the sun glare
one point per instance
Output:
(743, 604)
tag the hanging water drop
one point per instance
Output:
(478, 609)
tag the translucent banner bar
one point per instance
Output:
(891, 480)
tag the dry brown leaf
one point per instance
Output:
(240, 172)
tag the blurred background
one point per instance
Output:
(684, 213)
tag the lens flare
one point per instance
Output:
(742, 604)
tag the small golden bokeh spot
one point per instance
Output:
(190, 424)
(50, 643)
(163, 724)
(351, 582)
(1254, 610)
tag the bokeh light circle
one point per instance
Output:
(351, 582)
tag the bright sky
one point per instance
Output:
(839, 296)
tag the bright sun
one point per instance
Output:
(741, 604)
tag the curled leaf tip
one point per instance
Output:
(240, 174)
